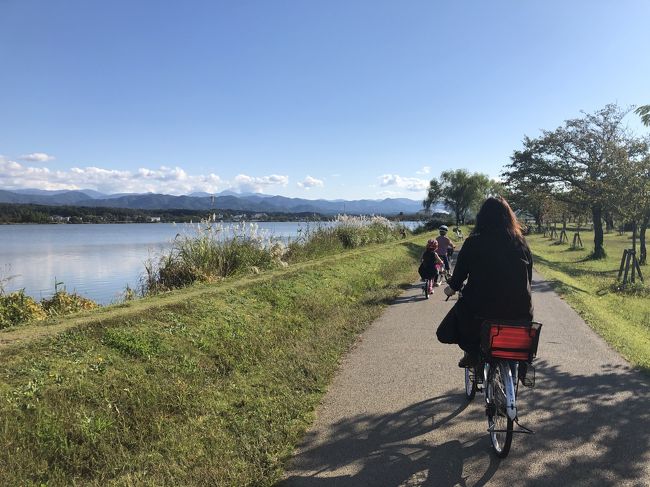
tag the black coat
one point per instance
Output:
(427, 268)
(498, 272)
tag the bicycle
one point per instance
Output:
(428, 285)
(444, 273)
(507, 351)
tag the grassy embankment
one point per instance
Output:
(208, 385)
(622, 319)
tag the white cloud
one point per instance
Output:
(424, 170)
(253, 184)
(310, 182)
(37, 157)
(14, 175)
(408, 184)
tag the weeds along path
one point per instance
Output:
(131, 309)
(396, 414)
(210, 385)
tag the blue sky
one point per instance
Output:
(330, 99)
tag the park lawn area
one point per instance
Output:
(207, 385)
(622, 319)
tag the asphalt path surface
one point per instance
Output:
(396, 415)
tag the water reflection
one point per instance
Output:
(97, 261)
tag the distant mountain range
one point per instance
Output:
(227, 200)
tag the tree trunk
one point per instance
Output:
(599, 250)
(538, 221)
(643, 255)
(609, 221)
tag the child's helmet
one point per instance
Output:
(432, 243)
(443, 228)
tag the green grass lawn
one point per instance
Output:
(208, 385)
(623, 320)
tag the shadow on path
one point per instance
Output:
(590, 430)
(595, 427)
(387, 452)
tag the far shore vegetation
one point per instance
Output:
(46, 214)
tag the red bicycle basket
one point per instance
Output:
(511, 341)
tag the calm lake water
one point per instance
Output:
(96, 261)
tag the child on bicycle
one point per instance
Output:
(445, 246)
(429, 264)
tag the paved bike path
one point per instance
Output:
(395, 414)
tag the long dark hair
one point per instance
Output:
(496, 217)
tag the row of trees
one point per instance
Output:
(590, 168)
(32, 213)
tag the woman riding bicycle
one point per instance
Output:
(497, 263)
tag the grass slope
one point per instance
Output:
(210, 385)
(623, 320)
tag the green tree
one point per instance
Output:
(579, 157)
(534, 199)
(460, 190)
(644, 112)
(433, 195)
(633, 198)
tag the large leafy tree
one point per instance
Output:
(433, 195)
(578, 158)
(644, 112)
(535, 199)
(633, 200)
(460, 190)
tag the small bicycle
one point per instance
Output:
(507, 351)
(427, 288)
(444, 275)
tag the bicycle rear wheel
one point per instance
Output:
(500, 426)
(470, 382)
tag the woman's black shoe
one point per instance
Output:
(468, 360)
